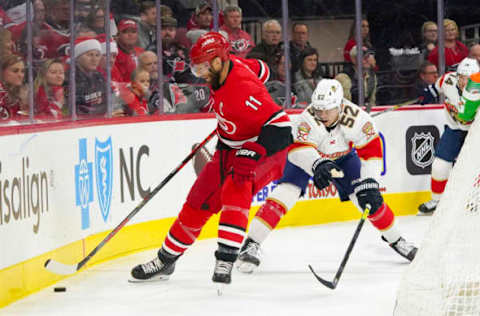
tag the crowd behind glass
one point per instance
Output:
(132, 82)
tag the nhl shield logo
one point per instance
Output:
(104, 174)
(422, 149)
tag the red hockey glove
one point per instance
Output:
(246, 160)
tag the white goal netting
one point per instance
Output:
(444, 278)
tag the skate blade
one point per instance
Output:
(221, 287)
(425, 214)
(153, 279)
(246, 267)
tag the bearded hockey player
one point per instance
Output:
(253, 134)
(451, 85)
(331, 134)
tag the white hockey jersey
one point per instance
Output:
(448, 85)
(355, 129)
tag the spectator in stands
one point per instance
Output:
(298, 44)
(147, 27)
(427, 76)
(148, 61)
(90, 84)
(430, 37)
(365, 33)
(12, 74)
(96, 21)
(240, 40)
(83, 8)
(349, 81)
(83, 30)
(175, 56)
(57, 37)
(202, 18)
(271, 45)
(116, 76)
(475, 52)
(306, 78)
(6, 43)
(455, 51)
(137, 93)
(127, 58)
(49, 90)
(38, 22)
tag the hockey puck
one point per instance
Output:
(60, 289)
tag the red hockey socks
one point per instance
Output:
(384, 220)
(185, 230)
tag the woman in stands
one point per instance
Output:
(12, 98)
(306, 78)
(49, 93)
(455, 51)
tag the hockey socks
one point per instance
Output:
(440, 172)
(185, 230)
(384, 220)
(437, 186)
(232, 227)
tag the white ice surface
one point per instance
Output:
(283, 285)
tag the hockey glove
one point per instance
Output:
(322, 172)
(246, 160)
(368, 194)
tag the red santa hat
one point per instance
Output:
(102, 38)
(84, 44)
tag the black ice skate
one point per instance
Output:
(159, 268)
(249, 257)
(222, 272)
(428, 208)
(404, 248)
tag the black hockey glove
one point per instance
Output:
(368, 194)
(322, 172)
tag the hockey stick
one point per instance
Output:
(395, 107)
(333, 284)
(65, 269)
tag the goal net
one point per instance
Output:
(444, 278)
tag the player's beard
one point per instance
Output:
(214, 79)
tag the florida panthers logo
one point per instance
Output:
(303, 131)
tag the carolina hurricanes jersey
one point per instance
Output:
(448, 85)
(355, 129)
(246, 112)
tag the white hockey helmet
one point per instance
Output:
(467, 67)
(327, 95)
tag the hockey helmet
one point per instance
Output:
(467, 67)
(209, 46)
(327, 95)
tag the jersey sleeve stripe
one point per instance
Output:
(264, 73)
(372, 150)
(280, 119)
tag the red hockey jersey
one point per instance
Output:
(246, 112)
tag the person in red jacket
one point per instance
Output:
(455, 51)
(49, 93)
(253, 136)
(127, 58)
(136, 94)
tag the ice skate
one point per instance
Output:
(249, 257)
(427, 208)
(404, 248)
(222, 275)
(159, 268)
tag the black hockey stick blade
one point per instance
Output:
(333, 284)
(66, 269)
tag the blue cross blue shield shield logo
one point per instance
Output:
(104, 174)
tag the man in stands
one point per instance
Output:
(298, 44)
(147, 27)
(253, 134)
(127, 58)
(271, 45)
(240, 40)
(426, 92)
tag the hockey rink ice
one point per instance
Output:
(283, 284)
